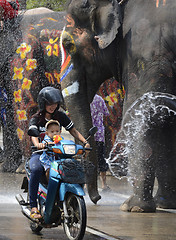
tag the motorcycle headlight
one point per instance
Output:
(69, 149)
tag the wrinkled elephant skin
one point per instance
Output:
(30, 59)
(141, 54)
(36, 59)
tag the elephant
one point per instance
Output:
(31, 58)
(133, 41)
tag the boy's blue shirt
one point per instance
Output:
(46, 158)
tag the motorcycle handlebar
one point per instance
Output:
(47, 147)
(88, 149)
(34, 148)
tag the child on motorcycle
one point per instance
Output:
(49, 102)
(52, 128)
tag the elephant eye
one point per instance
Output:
(85, 3)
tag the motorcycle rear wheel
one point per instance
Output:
(75, 224)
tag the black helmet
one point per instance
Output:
(49, 96)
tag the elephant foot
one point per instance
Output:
(93, 193)
(135, 204)
(95, 198)
(166, 203)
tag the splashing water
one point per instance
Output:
(150, 109)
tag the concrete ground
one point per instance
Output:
(104, 219)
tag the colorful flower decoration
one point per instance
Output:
(21, 115)
(111, 99)
(26, 84)
(23, 49)
(121, 92)
(20, 133)
(18, 73)
(17, 95)
(31, 64)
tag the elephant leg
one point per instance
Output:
(92, 185)
(79, 110)
(166, 168)
(142, 173)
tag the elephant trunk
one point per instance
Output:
(152, 111)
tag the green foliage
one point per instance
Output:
(56, 5)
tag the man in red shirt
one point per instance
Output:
(8, 10)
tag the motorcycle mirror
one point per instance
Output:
(33, 132)
(92, 131)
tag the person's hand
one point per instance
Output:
(87, 145)
(40, 145)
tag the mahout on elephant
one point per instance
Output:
(134, 42)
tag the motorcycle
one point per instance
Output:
(61, 198)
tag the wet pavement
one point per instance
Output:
(105, 220)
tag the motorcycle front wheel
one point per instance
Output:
(75, 223)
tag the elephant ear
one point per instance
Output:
(107, 22)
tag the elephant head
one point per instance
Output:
(104, 19)
(89, 37)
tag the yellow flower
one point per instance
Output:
(18, 73)
(111, 99)
(17, 95)
(121, 92)
(21, 115)
(31, 64)
(26, 84)
(20, 133)
(23, 49)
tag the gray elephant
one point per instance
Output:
(134, 41)
(30, 58)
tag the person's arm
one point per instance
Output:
(78, 136)
(1, 17)
(35, 140)
(69, 126)
(36, 143)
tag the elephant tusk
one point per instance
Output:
(122, 2)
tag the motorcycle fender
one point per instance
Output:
(73, 188)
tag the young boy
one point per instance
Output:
(52, 129)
